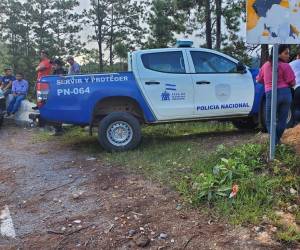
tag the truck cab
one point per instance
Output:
(190, 83)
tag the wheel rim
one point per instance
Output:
(119, 133)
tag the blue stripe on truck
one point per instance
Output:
(72, 98)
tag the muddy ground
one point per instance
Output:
(60, 198)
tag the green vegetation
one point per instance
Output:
(187, 157)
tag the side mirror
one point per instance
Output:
(241, 68)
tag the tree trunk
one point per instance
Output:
(111, 39)
(99, 37)
(264, 56)
(218, 23)
(208, 24)
(100, 57)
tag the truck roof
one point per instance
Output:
(138, 52)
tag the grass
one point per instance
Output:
(188, 158)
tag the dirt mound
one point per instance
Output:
(292, 137)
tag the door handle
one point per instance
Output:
(202, 82)
(152, 83)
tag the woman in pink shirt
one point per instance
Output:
(286, 80)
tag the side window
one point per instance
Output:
(167, 62)
(206, 62)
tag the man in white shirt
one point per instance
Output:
(296, 68)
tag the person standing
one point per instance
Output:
(19, 91)
(74, 67)
(58, 69)
(296, 68)
(286, 80)
(44, 68)
(6, 81)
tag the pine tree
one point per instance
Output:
(165, 20)
(115, 22)
(96, 16)
(15, 27)
(65, 26)
(41, 17)
(124, 25)
(56, 26)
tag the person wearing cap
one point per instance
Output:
(74, 67)
(44, 68)
(6, 81)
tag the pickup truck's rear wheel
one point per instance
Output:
(119, 131)
(245, 124)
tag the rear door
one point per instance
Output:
(166, 83)
(219, 89)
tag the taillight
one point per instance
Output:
(42, 91)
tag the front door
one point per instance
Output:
(166, 84)
(219, 89)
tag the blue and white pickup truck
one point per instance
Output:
(162, 86)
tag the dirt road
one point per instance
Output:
(54, 198)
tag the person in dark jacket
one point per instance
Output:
(6, 81)
(58, 67)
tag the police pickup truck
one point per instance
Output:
(162, 86)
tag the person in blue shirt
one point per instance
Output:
(74, 66)
(19, 91)
(6, 81)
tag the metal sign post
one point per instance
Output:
(274, 103)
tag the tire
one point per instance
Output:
(290, 121)
(129, 127)
(245, 124)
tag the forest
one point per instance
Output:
(103, 31)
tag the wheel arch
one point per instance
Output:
(112, 104)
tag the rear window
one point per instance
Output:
(167, 62)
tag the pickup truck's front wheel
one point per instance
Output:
(119, 131)
(245, 124)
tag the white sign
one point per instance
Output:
(273, 21)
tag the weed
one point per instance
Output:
(187, 157)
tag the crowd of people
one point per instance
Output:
(18, 87)
(288, 79)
